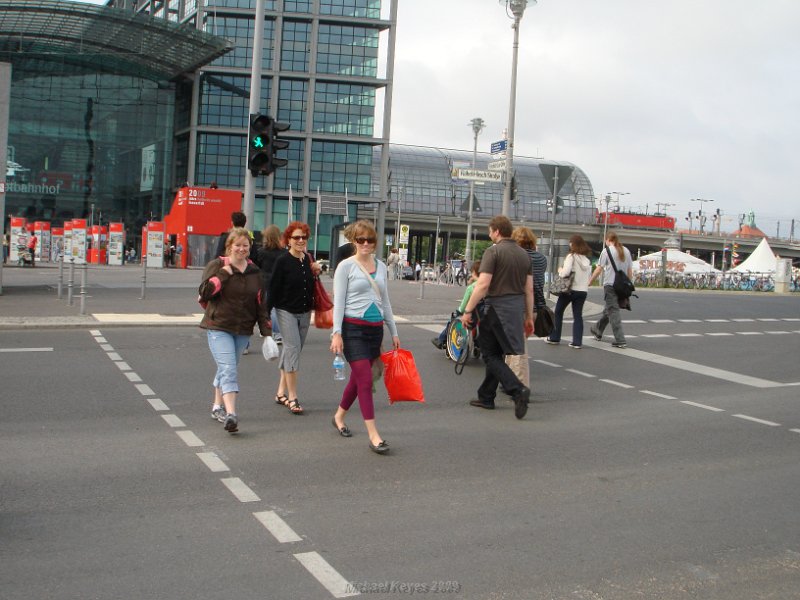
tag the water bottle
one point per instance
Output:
(338, 367)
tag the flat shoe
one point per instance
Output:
(381, 448)
(343, 430)
(521, 399)
(480, 404)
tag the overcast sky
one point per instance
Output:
(665, 100)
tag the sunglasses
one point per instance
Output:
(299, 238)
(364, 240)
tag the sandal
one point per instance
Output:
(294, 406)
(282, 399)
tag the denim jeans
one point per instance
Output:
(577, 299)
(226, 348)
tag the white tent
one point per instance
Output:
(762, 260)
(677, 262)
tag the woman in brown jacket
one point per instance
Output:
(232, 289)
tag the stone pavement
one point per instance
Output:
(113, 297)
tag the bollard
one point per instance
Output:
(422, 281)
(71, 281)
(83, 288)
(144, 276)
(61, 277)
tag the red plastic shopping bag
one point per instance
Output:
(401, 377)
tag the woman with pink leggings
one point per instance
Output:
(361, 307)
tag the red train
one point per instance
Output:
(632, 220)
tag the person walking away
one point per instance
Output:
(611, 314)
(527, 240)
(291, 294)
(440, 341)
(393, 263)
(506, 284)
(578, 263)
(32, 241)
(417, 270)
(361, 306)
(347, 249)
(271, 248)
(232, 288)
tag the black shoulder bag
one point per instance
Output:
(623, 286)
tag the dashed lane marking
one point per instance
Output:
(754, 420)
(546, 363)
(122, 365)
(719, 334)
(213, 462)
(26, 350)
(189, 438)
(95, 332)
(158, 404)
(749, 333)
(330, 579)
(581, 373)
(145, 390)
(107, 347)
(100, 339)
(113, 356)
(688, 335)
(658, 395)
(240, 489)
(132, 376)
(705, 406)
(277, 527)
(173, 421)
(689, 321)
(617, 383)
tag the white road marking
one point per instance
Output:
(107, 347)
(100, 339)
(158, 404)
(546, 363)
(754, 420)
(655, 335)
(581, 373)
(113, 356)
(777, 332)
(433, 328)
(145, 390)
(767, 319)
(690, 321)
(277, 527)
(688, 335)
(123, 366)
(330, 579)
(213, 462)
(795, 430)
(133, 376)
(26, 349)
(661, 321)
(145, 318)
(617, 383)
(684, 365)
(665, 396)
(173, 421)
(706, 406)
(750, 333)
(718, 320)
(719, 334)
(189, 438)
(791, 319)
(240, 489)
(633, 321)
(95, 332)
(748, 320)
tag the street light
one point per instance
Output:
(701, 218)
(516, 8)
(477, 125)
(608, 201)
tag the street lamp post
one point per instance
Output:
(608, 201)
(701, 218)
(517, 8)
(477, 125)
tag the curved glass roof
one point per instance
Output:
(34, 34)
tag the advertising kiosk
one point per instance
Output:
(116, 243)
(42, 231)
(67, 240)
(153, 244)
(197, 217)
(56, 244)
(78, 245)
(97, 251)
(18, 237)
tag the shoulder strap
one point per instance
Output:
(611, 258)
(368, 276)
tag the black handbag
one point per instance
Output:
(623, 286)
(543, 324)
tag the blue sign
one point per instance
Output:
(499, 146)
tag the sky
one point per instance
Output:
(667, 101)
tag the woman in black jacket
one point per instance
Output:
(291, 294)
(271, 248)
(233, 297)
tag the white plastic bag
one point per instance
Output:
(270, 349)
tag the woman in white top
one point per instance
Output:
(622, 261)
(577, 262)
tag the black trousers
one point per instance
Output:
(491, 342)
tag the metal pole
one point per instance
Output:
(61, 276)
(550, 252)
(477, 125)
(144, 277)
(249, 200)
(422, 281)
(71, 281)
(436, 243)
(83, 288)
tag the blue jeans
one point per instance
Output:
(226, 348)
(577, 299)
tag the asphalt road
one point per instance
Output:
(665, 471)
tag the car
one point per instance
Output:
(430, 274)
(408, 272)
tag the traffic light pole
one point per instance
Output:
(550, 252)
(249, 198)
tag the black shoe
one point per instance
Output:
(381, 448)
(479, 404)
(521, 399)
(597, 335)
(343, 430)
(437, 343)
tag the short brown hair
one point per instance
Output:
(363, 228)
(525, 238)
(502, 225)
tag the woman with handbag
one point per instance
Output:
(232, 294)
(291, 294)
(360, 308)
(578, 268)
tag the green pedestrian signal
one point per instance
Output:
(258, 142)
(262, 145)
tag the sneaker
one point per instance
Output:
(619, 345)
(218, 414)
(246, 350)
(597, 335)
(277, 337)
(231, 423)
(552, 342)
(576, 346)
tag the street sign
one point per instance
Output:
(404, 233)
(476, 175)
(498, 147)
(497, 165)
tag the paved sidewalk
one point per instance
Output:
(113, 298)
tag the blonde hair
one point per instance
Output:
(613, 240)
(234, 234)
(525, 238)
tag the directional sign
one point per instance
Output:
(476, 175)
(498, 147)
(497, 165)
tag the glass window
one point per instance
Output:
(344, 108)
(371, 9)
(295, 46)
(292, 173)
(345, 50)
(220, 158)
(225, 99)
(340, 166)
(297, 6)
(292, 103)
(268, 4)
(240, 31)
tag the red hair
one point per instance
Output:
(287, 233)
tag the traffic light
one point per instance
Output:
(258, 157)
(275, 144)
(514, 188)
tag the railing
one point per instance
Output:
(755, 282)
